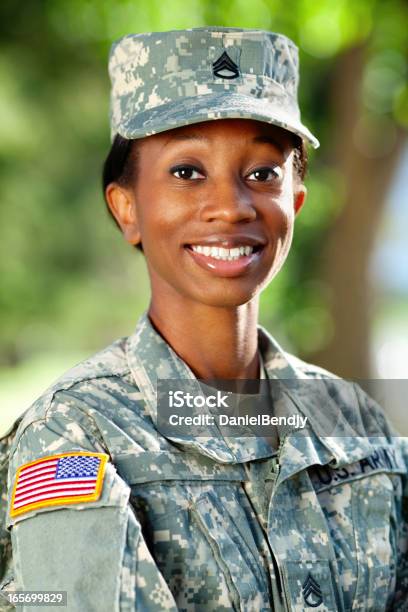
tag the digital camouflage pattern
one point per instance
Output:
(6, 565)
(214, 524)
(163, 80)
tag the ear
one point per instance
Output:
(122, 205)
(299, 197)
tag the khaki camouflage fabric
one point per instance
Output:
(164, 80)
(214, 524)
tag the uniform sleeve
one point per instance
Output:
(401, 587)
(93, 550)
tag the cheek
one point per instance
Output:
(161, 223)
(159, 216)
(281, 218)
(286, 234)
(281, 222)
(285, 209)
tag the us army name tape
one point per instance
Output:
(383, 459)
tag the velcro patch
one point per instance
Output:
(68, 478)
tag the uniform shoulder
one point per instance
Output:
(105, 364)
(110, 361)
(362, 407)
(309, 370)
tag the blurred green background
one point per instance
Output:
(69, 284)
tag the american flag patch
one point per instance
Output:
(69, 478)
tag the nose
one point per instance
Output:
(228, 201)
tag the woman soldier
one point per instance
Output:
(205, 176)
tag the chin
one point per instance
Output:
(229, 297)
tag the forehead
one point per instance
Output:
(239, 131)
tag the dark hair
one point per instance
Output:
(121, 165)
(300, 159)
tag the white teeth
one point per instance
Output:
(224, 254)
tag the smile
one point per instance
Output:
(226, 262)
(223, 254)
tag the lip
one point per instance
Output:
(225, 269)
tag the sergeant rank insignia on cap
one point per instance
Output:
(225, 67)
(56, 480)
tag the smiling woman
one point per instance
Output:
(112, 500)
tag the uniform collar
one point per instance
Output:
(151, 358)
(326, 402)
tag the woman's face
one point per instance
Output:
(214, 206)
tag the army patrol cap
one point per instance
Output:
(165, 80)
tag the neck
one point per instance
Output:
(215, 342)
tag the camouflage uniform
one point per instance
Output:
(211, 523)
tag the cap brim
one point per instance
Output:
(197, 109)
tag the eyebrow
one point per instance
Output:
(257, 139)
(269, 140)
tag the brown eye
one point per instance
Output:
(185, 172)
(261, 174)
